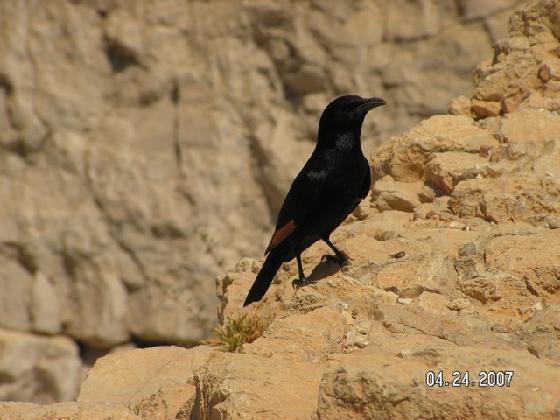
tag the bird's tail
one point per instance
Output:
(271, 265)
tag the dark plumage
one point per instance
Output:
(331, 184)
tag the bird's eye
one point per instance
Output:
(355, 104)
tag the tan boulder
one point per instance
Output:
(404, 157)
(529, 125)
(38, 368)
(393, 195)
(244, 385)
(515, 197)
(447, 169)
(371, 385)
(155, 383)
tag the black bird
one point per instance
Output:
(329, 187)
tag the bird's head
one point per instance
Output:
(348, 112)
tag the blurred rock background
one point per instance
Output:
(146, 146)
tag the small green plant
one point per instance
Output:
(236, 331)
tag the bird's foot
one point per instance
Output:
(297, 283)
(342, 261)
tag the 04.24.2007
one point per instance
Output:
(458, 379)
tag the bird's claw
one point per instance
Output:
(297, 283)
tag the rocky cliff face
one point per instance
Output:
(455, 267)
(145, 146)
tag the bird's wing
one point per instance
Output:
(299, 202)
(367, 184)
(364, 191)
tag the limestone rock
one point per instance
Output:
(67, 411)
(284, 388)
(522, 65)
(404, 157)
(447, 169)
(529, 125)
(35, 368)
(540, 333)
(389, 194)
(408, 279)
(310, 335)
(380, 385)
(16, 285)
(521, 196)
(504, 169)
(156, 383)
(460, 106)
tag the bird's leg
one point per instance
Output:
(302, 280)
(340, 257)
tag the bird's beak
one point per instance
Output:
(371, 103)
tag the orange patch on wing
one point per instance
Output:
(280, 235)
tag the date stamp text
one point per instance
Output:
(458, 379)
